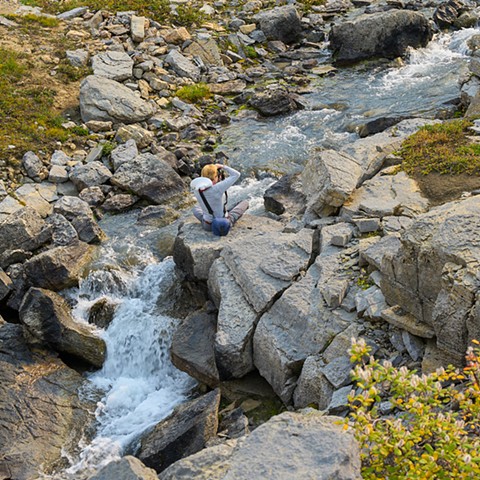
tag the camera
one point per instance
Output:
(221, 174)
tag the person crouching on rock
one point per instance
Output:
(210, 190)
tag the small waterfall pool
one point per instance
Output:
(138, 385)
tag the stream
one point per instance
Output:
(138, 385)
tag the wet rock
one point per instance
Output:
(280, 23)
(103, 99)
(448, 12)
(102, 312)
(192, 347)
(59, 267)
(275, 101)
(183, 433)
(149, 177)
(307, 445)
(47, 321)
(328, 179)
(127, 468)
(386, 35)
(89, 175)
(285, 196)
(42, 415)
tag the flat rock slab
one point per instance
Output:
(386, 195)
(265, 265)
(107, 100)
(306, 445)
(196, 249)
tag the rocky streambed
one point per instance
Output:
(346, 246)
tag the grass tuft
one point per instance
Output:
(443, 148)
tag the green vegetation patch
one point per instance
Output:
(432, 430)
(194, 93)
(27, 119)
(159, 10)
(443, 148)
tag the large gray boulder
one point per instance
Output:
(273, 101)
(48, 322)
(89, 175)
(183, 433)
(149, 177)
(41, 414)
(265, 265)
(328, 179)
(80, 215)
(23, 230)
(114, 65)
(298, 325)
(59, 267)
(192, 347)
(433, 275)
(289, 446)
(386, 35)
(107, 100)
(280, 23)
(195, 249)
(182, 66)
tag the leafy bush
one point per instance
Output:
(433, 428)
(193, 93)
(442, 148)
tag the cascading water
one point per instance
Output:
(424, 86)
(138, 383)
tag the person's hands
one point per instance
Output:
(219, 165)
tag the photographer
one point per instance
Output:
(211, 193)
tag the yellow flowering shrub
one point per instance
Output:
(430, 425)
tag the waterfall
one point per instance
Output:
(138, 383)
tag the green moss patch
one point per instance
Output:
(194, 93)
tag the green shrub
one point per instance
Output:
(250, 51)
(433, 429)
(443, 148)
(108, 148)
(188, 15)
(193, 93)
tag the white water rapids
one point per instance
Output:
(139, 383)
(139, 386)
